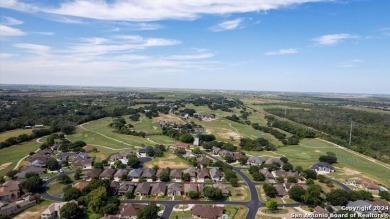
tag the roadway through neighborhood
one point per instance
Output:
(253, 205)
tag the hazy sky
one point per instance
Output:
(274, 45)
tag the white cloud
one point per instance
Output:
(281, 52)
(44, 33)
(350, 63)
(10, 31)
(11, 21)
(33, 48)
(333, 39)
(191, 56)
(6, 55)
(227, 25)
(152, 10)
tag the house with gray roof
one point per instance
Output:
(119, 174)
(176, 174)
(135, 173)
(322, 167)
(216, 174)
(274, 160)
(148, 173)
(158, 189)
(142, 189)
(255, 160)
(174, 189)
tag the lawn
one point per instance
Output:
(14, 133)
(260, 193)
(11, 155)
(55, 188)
(239, 193)
(35, 211)
(169, 160)
(348, 165)
(180, 214)
(236, 211)
(102, 153)
(146, 125)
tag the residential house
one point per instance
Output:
(216, 174)
(9, 191)
(268, 175)
(8, 210)
(202, 174)
(174, 189)
(223, 187)
(126, 187)
(62, 157)
(80, 185)
(119, 174)
(83, 162)
(320, 213)
(206, 212)
(142, 189)
(114, 187)
(364, 184)
(203, 161)
(161, 171)
(191, 171)
(94, 173)
(216, 150)
(158, 189)
(135, 174)
(281, 190)
(176, 175)
(21, 176)
(142, 152)
(87, 149)
(385, 206)
(148, 173)
(288, 186)
(130, 210)
(180, 147)
(322, 167)
(361, 206)
(107, 173)
(53, 211)
(274, 160)
(255, 160)
(190, 187)
(286, 175)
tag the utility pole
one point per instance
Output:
(350, 134)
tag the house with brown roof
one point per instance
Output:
(9, 191)
(274, 160)
(126, 187)
(223, 187)
(206, 212)
(190, 187)
(107, 173)
(161, 171)
(182, 147)
(84, 163)
(87, 149)
(268, 175)
(130, 210)
(176, 175)
(202, 174)
(119, 174)
(142, 189)
(192, 172)
(158, 189)
(203, 161)
(281, 190)
(94, 173)
(8, 210)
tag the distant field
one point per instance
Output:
(11, 155)
(14, 133)
(348, 165)
(146, 125)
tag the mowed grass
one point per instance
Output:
(11, 155)
(14, 133)
(145, 124)
(309, 150)
(169, 160)
(236, 211)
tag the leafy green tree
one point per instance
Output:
(284, 159)
(52, 164)
(149, 212)
(270, 190)
(165, 177)
(186, 138)
(310, 174)
(67, 130)
(97, 199)
(212, 193)
(384, 195)
(71, 211)
(257, 176)
(32, 184)
(313, 196)
(243, 160)
(366, 195)
(296, 193)
(299, 169)
(133, 161)
(234, 182)
(64, 179)
(98, 165)
(253, 169)
(77, 175)
(193, 194)
(71, 193)
(272, 205)
(292, 180)
(338, 197)
(186, 177)
(288, 167)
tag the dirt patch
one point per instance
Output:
(5, 165)
(36, 214)
(349, 172)
(227, 134)
(317, 151)
(167, 161)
